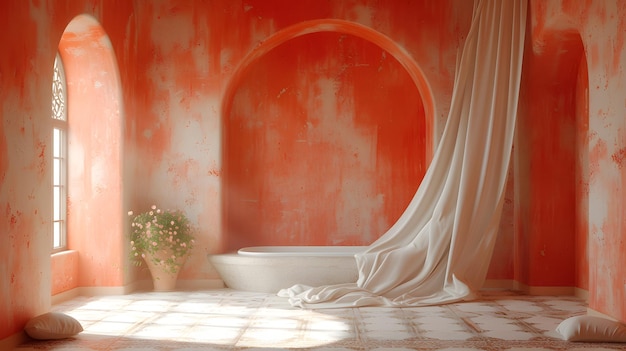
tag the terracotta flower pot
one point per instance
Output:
(163, 279)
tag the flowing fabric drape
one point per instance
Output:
(440, 248)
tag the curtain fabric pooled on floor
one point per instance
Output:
(440, 248)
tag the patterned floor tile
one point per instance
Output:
(230, 320)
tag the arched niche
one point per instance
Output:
(327, 135)
(552, 162)
(95, 212)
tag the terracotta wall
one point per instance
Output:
(326, 148)
(64, 271)
(569, 221)
(25, 155)
(547, 156)
(294, 144)
(25, 134)
(327, 132)
(95, 210)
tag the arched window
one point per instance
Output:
(59, 157)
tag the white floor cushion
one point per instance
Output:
(52, 325)
(592, 329)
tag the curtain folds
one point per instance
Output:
(440, 248)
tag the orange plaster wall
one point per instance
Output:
(176, 128)
(325, 148)
(95, 214)
(24, 168)
(582, 177)
(25, 191)
(550, 87)
(503, 263)
(589, 220)
(64, 268)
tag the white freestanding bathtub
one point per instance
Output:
(271, 268)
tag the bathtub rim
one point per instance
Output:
(300, 251)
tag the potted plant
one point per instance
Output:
(163, 240)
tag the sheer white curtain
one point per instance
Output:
(440, 248)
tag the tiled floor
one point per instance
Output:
(228, 320)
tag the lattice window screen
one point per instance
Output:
(58, 91)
